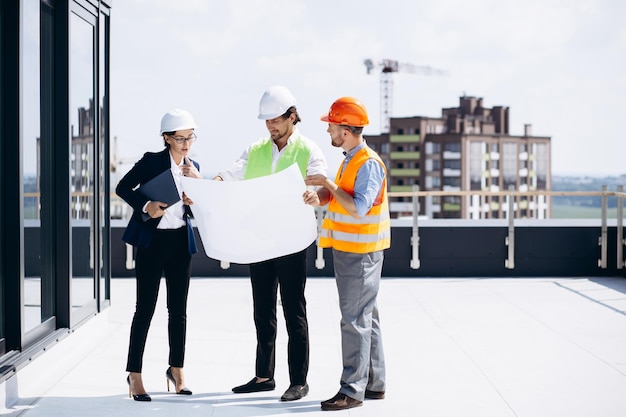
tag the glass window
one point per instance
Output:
(542, 166)
(452, 146)
(509, 164)
(452, 164)
(82, 161)
(476, 165)
(452, 181)
(46, 147)
(30, 114)
(2, 348)
(103, 154)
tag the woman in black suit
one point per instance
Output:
(164, 243)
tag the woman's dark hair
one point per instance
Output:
(167, 145)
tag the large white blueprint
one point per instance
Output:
(253, 220)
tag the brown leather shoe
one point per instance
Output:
(374, 395)
(340, 402)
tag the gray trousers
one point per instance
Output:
(358, 279)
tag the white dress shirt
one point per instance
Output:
(173, 217)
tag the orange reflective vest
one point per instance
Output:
(346, 233)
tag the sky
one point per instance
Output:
(559, 65)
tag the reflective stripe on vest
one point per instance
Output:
(260, 158)
(342, 231)
(346, 218)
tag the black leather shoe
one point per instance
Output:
(295, 392)
(340, 402)
(253, 386)
(374, 395)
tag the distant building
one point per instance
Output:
(468, 148)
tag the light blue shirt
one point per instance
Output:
(369, 181)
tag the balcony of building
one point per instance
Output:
(404, 156)
(404, 138)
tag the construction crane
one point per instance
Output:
(388, 67)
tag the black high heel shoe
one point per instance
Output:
(170, 377)
(136, 397)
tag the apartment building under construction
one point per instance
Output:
(468, 148)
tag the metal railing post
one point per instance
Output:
(319, 260)
(130, 262)
(415, 239)
(509, 241)
(620, 230)
(602, 240)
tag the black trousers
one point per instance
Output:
(167, 255)
(290, 273)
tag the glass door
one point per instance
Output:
(2, 232)
(35, 115)
(84, 165)
(103, 157)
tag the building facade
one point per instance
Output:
(468, 148)
(54, 164)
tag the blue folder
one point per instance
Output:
(160, 188)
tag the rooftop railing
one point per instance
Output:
(510, 223)
(514, 196)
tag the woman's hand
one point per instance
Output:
(156, 209)
(189, 169)
(187, 200)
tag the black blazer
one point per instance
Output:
(139, 233)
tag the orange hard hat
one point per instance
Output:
(347, 111)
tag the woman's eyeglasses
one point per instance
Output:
(181, 139)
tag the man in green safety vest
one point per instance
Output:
(284, 147)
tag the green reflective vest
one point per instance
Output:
(260, 158)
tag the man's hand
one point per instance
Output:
(310, 197)
(317, 180)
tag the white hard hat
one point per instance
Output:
(177, 119)
(275, 102)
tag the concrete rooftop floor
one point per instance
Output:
(523, 347)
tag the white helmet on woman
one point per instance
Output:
(177, 119)
(275, 102)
